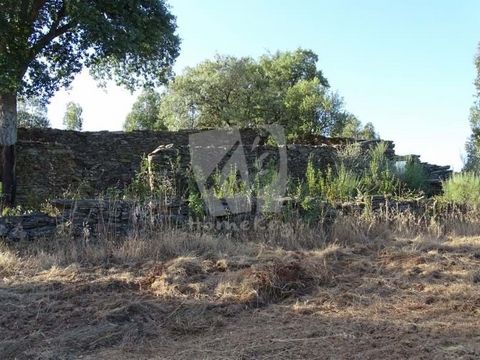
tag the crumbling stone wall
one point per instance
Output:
(111, 219)
(51, 162)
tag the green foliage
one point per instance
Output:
(354, 174)
(285, 88)
(196, 205)
(140, 188)
(463, 189)
(379, 177)
(266, 185)
(368, 132)
(472, 147)
(312, 180)
(414, 176)
(43, 44)
(354, 158)
(229, 185)
(32, 113)
(145, 112)
(341, 185)
(332, 185)
(149, 183)
(351, 127)
(13, 211)
(73, 120)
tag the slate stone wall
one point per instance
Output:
(53, 162)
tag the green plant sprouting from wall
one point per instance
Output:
(359, 174)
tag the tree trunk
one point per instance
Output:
(8, 138)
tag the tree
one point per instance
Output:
(472, 147)
(145, 112)
(44, 43)
(368, 132)
(73, 120)
(285, 88)
(216, 93)
(351, 127)
(32, 113)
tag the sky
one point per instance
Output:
(406, 66)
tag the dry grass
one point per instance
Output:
(363, 288)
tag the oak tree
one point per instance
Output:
(285, 88)
(45, 43)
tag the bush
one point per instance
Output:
(379, 178)
(414, 176)
(331, 185)
(338, 186)
(462, 189)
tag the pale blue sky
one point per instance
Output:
(407, 66)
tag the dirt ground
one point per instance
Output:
(394, 299)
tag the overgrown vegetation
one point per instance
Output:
(413, 175)
(462, 189)
(358, 175)
(355, 175)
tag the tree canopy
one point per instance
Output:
(472, 162)
(73, 120)
(285, 88)
(145, 112)
(45, 43)
(32, 113)
(351, 127)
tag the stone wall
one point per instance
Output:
(28, 227)
(111, 219)
(51, 162)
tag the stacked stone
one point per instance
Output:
(436, 175)
(27, 227)
(52, 162)
(91, 217)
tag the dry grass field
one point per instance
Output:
(369, 293)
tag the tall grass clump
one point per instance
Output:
(332, 185)
(229, 184)
(354, 174)
(150, 183)
(413, 175)
(379, 177)
(462, 189)
(338, 186)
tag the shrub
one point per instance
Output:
(332, 185)
(414, 176)
(339, 185)
(379, 178)
(229, 185)
(462, 189)
(151, 183)
(196, 207)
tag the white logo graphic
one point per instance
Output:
(234, 178)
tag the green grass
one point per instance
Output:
(462, 189)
